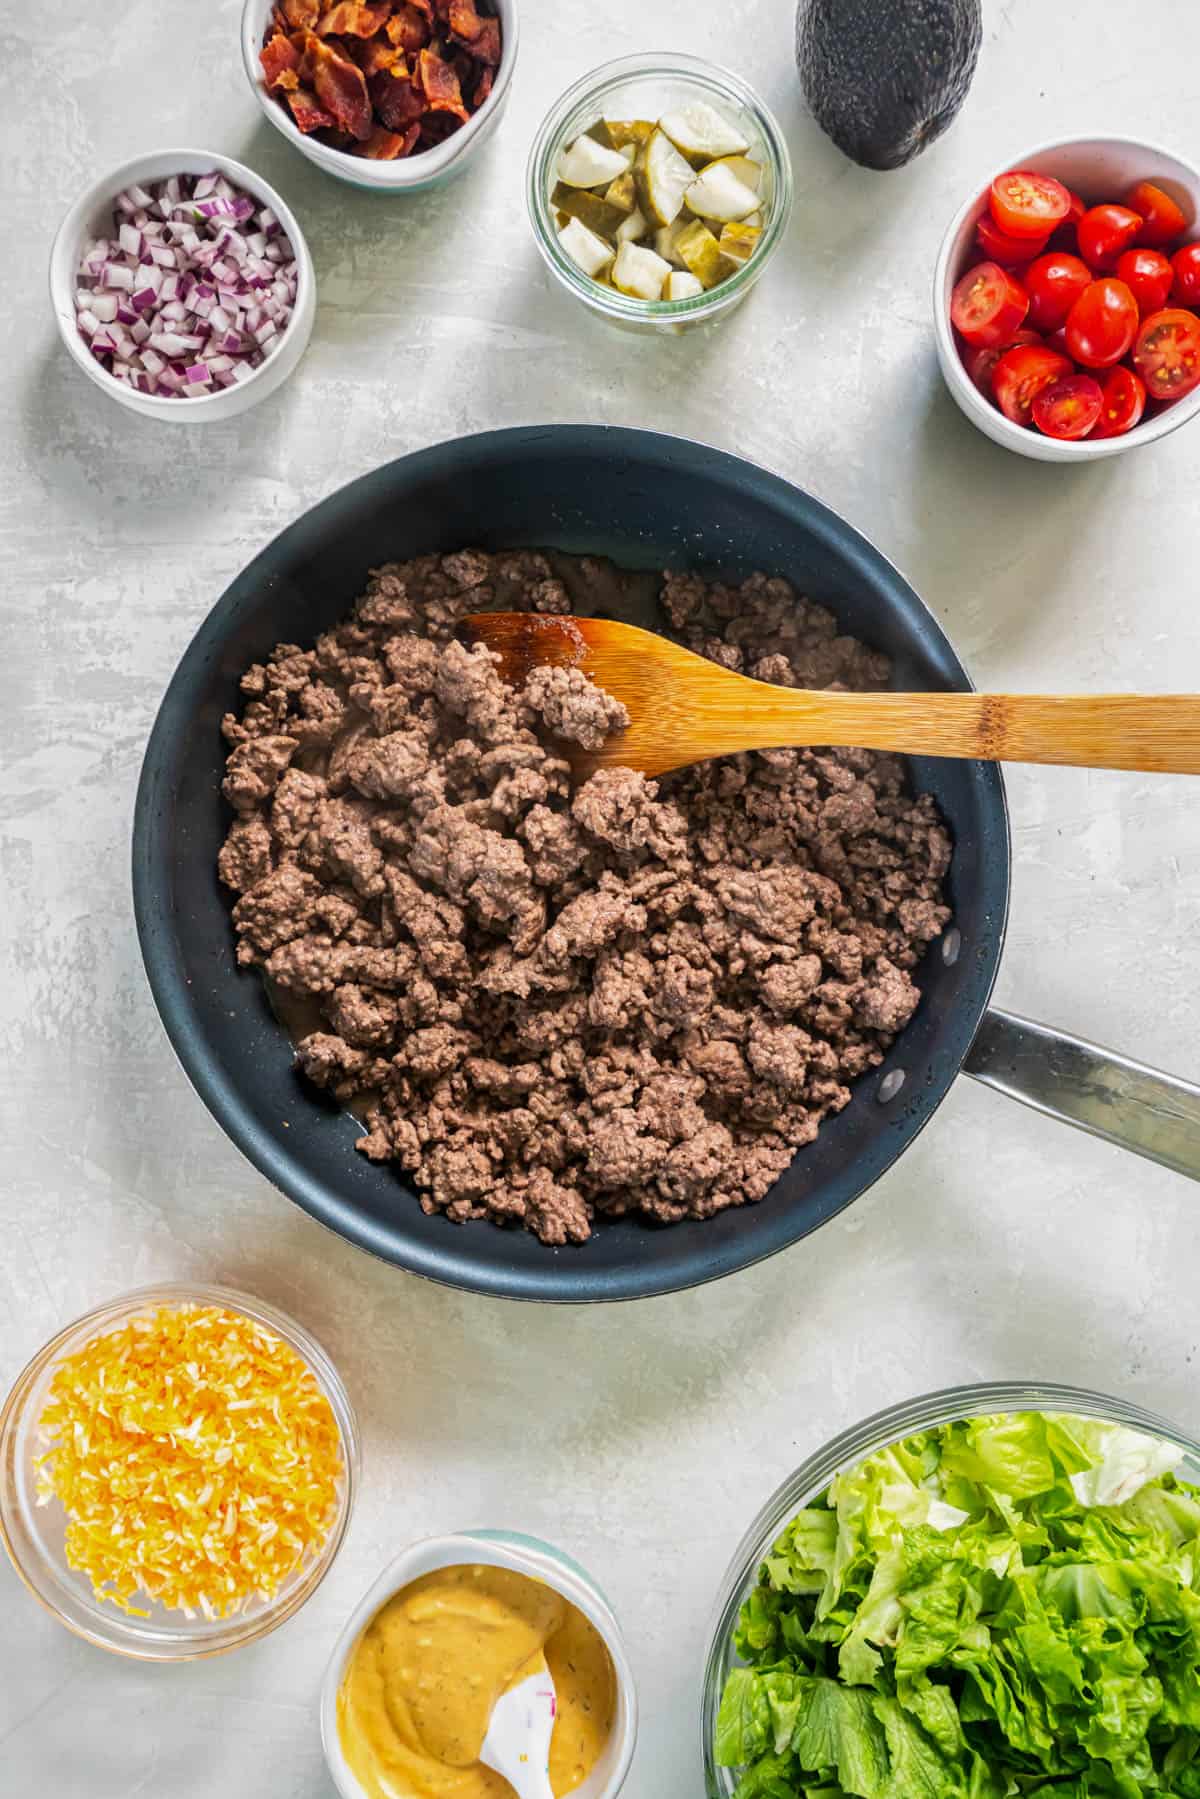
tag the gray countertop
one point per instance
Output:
(1002, 1244)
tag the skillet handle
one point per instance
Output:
(1109, 1095)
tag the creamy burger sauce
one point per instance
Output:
(420, 1685)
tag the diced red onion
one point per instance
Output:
(192, 291)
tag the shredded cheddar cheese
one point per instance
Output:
(196, 1457)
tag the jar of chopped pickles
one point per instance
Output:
(658, 188)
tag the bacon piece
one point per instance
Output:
(408, 27)
(485, 48)
(349, 19)
(376, 56)
(465, 22)
(280, 60)
(307, 111)
(340, 87)
(386, 146)
(397, 102)
(440, 85)
(483, 87)
(301, 15)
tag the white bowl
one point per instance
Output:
(1098, 169)
(494, 1549)
(91, 217)
(410, 174)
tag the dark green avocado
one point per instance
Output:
(885, 77)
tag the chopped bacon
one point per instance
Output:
(377, 57)
(485, 47)
(279, 60)
(340, 87)
(386, 146)
(440, 85)
(398, 102)
(381, 78)
(465, 22)
(307, 111)
(349, 19)
(408, 27)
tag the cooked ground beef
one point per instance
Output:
(640, 996)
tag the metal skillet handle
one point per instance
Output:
(1109, 1095)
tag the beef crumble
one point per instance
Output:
(640, 996)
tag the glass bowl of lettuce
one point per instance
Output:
(987, 1593)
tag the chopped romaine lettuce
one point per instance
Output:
(1000, 1607)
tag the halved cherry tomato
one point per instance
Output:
(988, 306)
(1103, 232)
(1054, 282)
(1167, 353)
(1069, 407)
(1064, 236)
(1148, 276)
(980, 362)
(1162, 219)
(1028, 205)
(1020, 375)
(1186, 264)
(1005, 249)
(1102, 324)
(1124, 403)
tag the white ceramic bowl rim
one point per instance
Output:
(64, 256)
(1140, 152)
(410, 171)
(501, 1549)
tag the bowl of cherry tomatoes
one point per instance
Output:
(1067, 300)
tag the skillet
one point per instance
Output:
(647, 501)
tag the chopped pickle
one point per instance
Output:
(601, 134)
(748, 172)
(633, 227)
(754, 218)
(718, 194)
(590, 252)
(639, 273)
(666, 238)
(662, 177)
(701, 254)
(580, 203)
(701, 132)
(739, 242)
(628, 131)
(560, 219)
(622, 192)
(682, 286)
(590, 164)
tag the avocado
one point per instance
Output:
(885, 77)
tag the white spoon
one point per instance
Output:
(517, 1744)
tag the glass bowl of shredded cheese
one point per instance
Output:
(177, 1471)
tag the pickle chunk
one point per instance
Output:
(581, 203)
(748, 172)
(633, 228)
(662, 178)
(739, 242)
(701, 254)
(585, 249)
(590, 164)
(682, 286)
(716, 193)
(701, 132)
(622, 192)
(639, 273)
(620, 132)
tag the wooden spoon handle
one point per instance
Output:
(1156, 732)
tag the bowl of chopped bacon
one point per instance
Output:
(177, 1470)
(393, 95)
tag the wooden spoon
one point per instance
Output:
(684, 708)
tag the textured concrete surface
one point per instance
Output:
(1002, 1245)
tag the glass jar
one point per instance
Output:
(645, 87)
(854, 1445)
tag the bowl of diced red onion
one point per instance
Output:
(182, 286)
